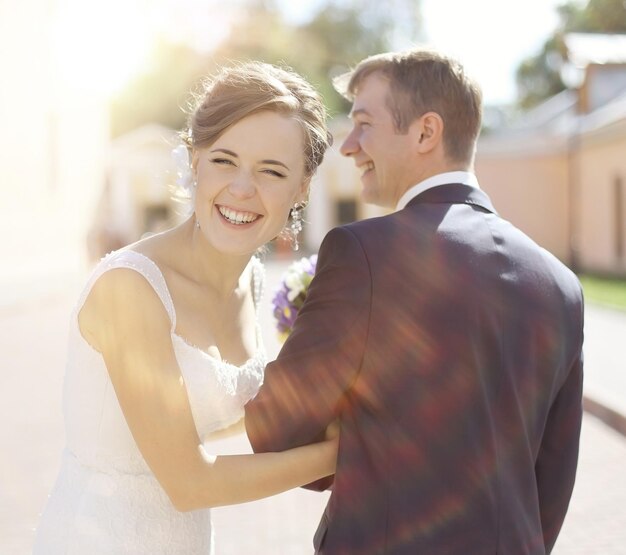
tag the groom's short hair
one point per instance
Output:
(423, 80)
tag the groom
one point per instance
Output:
(445, 341)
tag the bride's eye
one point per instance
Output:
(222, 161)
(273, 172)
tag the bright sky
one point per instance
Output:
(490, 37)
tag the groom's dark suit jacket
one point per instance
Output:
(449, 345)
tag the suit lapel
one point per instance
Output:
(454, 193)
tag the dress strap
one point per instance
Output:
(140, 263)
(258, 286)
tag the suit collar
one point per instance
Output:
(457, 176)
(454, 193)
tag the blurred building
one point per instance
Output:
(335, 197)
(137, 196)
(559, 173)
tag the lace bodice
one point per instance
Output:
(103, 471)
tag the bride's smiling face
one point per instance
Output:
(248, 180)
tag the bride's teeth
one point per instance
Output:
(237, 218)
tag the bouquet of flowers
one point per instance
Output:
(289, 297)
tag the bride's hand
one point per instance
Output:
(331, 437)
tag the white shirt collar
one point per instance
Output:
(465, 178)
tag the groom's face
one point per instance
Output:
(384, 157)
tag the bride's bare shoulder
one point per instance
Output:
(120, 300)
(161, 248)
(153, 246)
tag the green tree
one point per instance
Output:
(538, 77)
(160, 93)
(339, 34)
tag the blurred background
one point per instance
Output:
(92, 95)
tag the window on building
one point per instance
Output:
(156, 218)
(346, 211)
(618, 207)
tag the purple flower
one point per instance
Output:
(290, 296)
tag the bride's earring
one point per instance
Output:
(296, 223)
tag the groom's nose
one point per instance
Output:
(350, 145)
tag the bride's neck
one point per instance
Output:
(206, 265)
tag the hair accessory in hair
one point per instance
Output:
(184, 179)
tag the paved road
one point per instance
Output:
(32, 343)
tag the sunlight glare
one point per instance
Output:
(100, 46)
(490, 37)
(201, 24)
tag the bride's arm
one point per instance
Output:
(124, 320)
(233, 430)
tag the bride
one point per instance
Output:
(165, 347)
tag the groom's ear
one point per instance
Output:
(427, 132)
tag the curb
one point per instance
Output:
(609, 416)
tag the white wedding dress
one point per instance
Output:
(106, 501)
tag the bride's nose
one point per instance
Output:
(242, 186)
